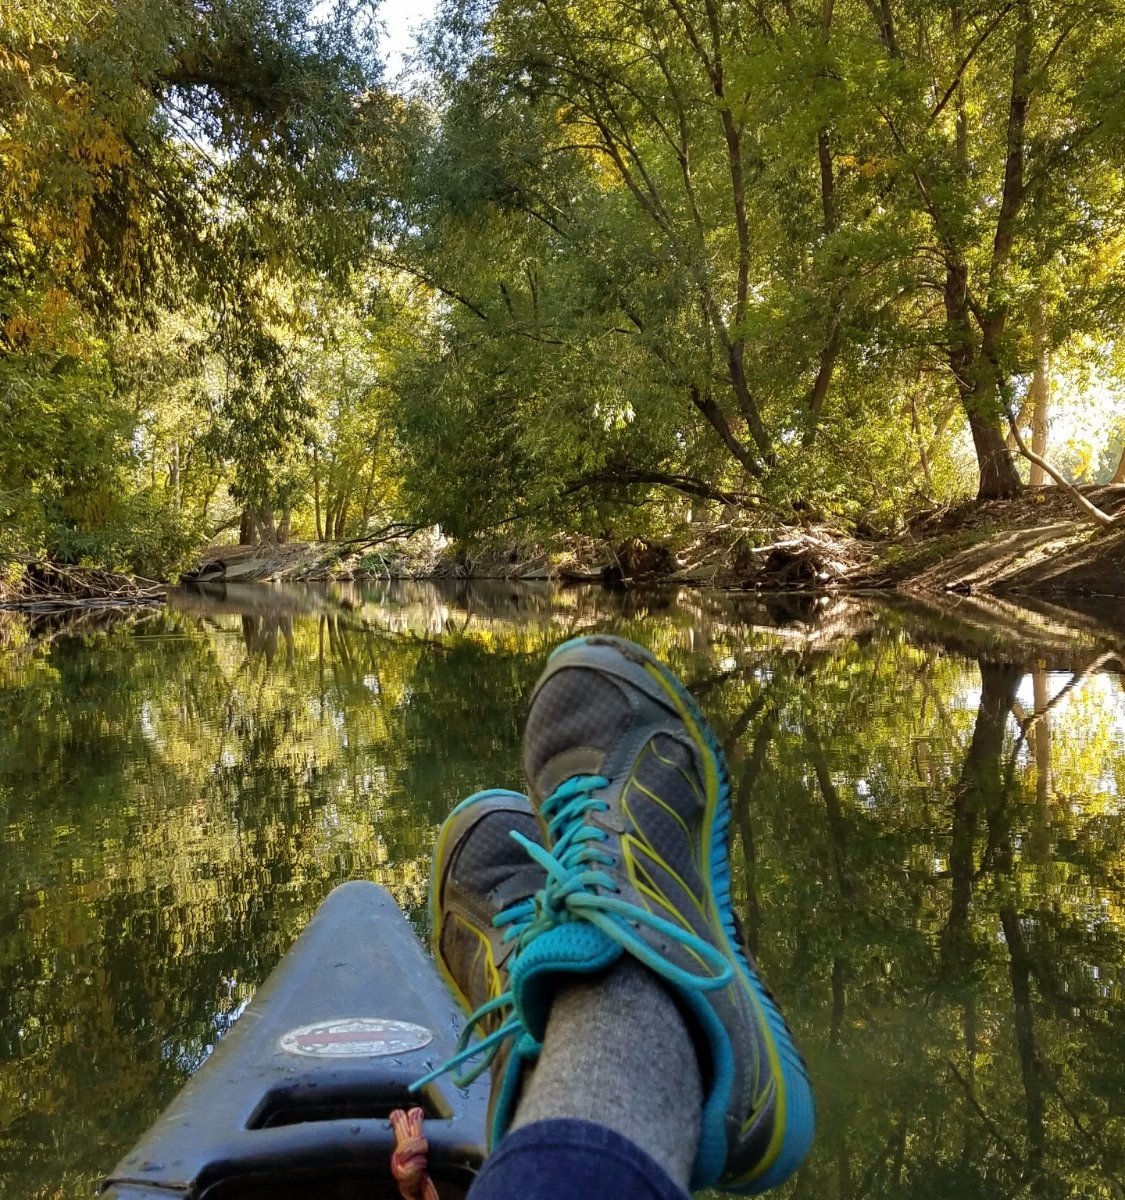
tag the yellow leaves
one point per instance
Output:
(1106, 260)
(56, 302)
(867, 168)
(59, 153)
(100, 145)
(13, 62)
(19, 330)
(50, 323)
(80, 228)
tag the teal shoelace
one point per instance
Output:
(575, 868)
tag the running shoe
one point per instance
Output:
(482, 888)
(633, 798)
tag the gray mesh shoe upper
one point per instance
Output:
(478, 873)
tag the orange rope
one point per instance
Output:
(408, 1163)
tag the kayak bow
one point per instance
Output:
(298, 1096)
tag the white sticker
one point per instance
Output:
(356, 1037)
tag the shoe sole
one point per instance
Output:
(793, 1132)
(440, 850)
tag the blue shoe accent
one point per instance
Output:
(800, 1107)
(800, 1111)
(634, 795)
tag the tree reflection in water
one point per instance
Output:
(929, 849)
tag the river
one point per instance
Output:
(929, 847)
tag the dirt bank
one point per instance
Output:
(1035, 545)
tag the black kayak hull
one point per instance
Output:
(295, 1099)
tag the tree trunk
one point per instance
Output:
(981, 779)
(1031, 1064)
(748, 778)
(831, 349)
(316, 494)
(264, 526)
(819, 391)
(1119, 476)
(341, 519)
(706, 404)
(998, 475)
(1040, 398)
(366, 516)
(283, 527)
(246, 529)
(923, 457)
(1040, 841)
(747, 404)
(174, 477)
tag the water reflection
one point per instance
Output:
(929, 848)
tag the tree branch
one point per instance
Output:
(982, 37)
(429, 281)
(623, 476)
(1011, 197)
(1089, 508)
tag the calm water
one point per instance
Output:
(929, 850)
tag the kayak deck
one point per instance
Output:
(297, 1096)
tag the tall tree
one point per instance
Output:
(787, 215)
(157, 155)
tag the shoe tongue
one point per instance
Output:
(490, 858)
(577, 716)
(579, 760)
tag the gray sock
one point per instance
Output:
(617, 1052)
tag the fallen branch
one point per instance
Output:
(1089, 508)
(387, 533)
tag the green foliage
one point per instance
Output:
(795, 255)
(168, 172)
(613, 266)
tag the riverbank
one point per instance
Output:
(1035, 544)
(46, 587)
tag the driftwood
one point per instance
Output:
(49, 587)
(805, 560)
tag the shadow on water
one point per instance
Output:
(929, 847)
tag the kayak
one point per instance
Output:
(296, 1100)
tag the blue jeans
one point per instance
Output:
(565, 1159)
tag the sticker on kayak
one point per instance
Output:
(356, 1037)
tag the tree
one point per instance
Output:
(156, 157)
(767, 216)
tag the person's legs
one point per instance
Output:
(618, 1053)
(660, 1053)
(565, 1159)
